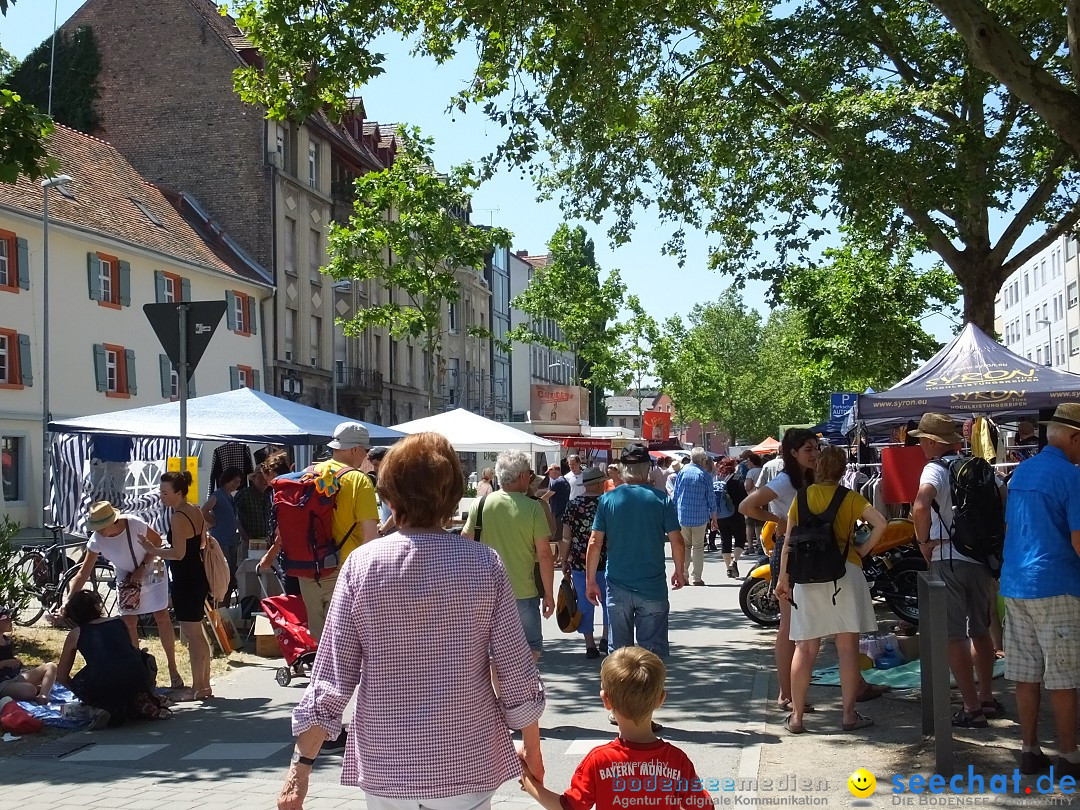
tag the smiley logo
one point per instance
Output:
(862, 783)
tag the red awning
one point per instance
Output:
(586, 443)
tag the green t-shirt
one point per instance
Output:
(513, 523)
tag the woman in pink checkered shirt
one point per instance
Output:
(427, 618)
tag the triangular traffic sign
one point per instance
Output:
(203, 318)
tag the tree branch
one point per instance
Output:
(994, 49)
(941, 243)
(1072, 18)
(1035, 203)
(1061, 227)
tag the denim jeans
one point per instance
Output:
(584, 605)
(529, 613)
(630, 615)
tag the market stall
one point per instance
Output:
(468, 432)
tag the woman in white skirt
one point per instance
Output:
(822, 610)
(115, 537)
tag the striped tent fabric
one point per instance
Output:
(78, 480)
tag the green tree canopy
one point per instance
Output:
(751, 120)
(24, 129)
(409, 232)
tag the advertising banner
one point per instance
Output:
(558, 404)
(655, 426)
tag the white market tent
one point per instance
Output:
(469, 433)
(243, 415)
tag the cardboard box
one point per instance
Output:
(909, 646)
(265, 643)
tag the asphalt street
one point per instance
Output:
(236, 748)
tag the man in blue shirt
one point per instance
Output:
(695, 505)
(635, 518)
(559, 488)
(1040, 580)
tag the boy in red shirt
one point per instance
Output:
(638, 768)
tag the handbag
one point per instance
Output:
(129, 592)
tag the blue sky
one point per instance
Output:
(416, 91)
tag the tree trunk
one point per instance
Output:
(980, 290)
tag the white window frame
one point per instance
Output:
(105, 280)
(241, 377)
(5, 265)
(313, 165)
(6, 366)
(170, 290)
(112, 371)
(1074, 294)
(174, 384)
(240, 309)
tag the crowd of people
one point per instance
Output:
(609, 532)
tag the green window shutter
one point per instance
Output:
(129, 368)
(234, 378)
(22, 251)
(185, 289)
(125, 284)
(159, 287)
(165, 365)
(93, 277)
(26, 369)
(230, 310)
(253, 311)
(99, 367)
(255, 383)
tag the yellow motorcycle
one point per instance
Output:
(892, 572)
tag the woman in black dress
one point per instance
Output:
(116, 680)
(189, 586)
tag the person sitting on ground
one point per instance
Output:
(842, 609)
(632, 688)
(16, 681)
(117, 681)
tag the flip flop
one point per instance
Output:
(791, 727)
(861, 721)
(872, 691)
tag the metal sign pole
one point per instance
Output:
(182, 378)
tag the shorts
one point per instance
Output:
(1042, 641)
(529, 613)
(968, 590)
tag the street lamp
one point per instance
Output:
(61, 181)
(1045, 322)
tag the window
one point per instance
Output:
(290, 334)
(170, 380)
(1046, 312)
(1074, 342)
(109, 280)
(170, 288)
(315, 256)
(114, 367)
(11, 467)
(452, 317)
(1042, 272)
(316, 340)
(1027, 290)
(1071, 245)
(1038, 355)
(290, 246)
(243, 377)
(1027, 323)
(14, 263)
(1072, 292)
(1047, 355)
(240, 312)
(411, 366)
(14, 360)
(313, 165)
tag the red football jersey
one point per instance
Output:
(625, 774)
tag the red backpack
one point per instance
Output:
(304, 512)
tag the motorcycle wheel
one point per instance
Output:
(904, 580)
(758, 603)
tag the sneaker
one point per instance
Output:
(100, 720)
(592, 652)
(1065, 768)
(964, 719)
(733, 572)
(1032, 762)
(698, 582)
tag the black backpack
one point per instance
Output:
(978, 524)
(814, 555)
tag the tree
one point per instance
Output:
(409, 232)
(570, 292)
(861, 313)
(750, 120)
(635, 356)
(24, 130)
(15, 587)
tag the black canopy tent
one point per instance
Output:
(972, 375)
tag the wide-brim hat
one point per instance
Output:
(592, 475)
(939, 427)
(1067, 414)
(102, 515)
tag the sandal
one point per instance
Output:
(791, 727)
(203, 694)
(992, 708)
(786, 706)
(861, 721)
(872, 690)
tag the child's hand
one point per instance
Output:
(533, 763)
(528, 784)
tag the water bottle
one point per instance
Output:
(890, 657)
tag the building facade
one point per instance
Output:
(115, 243)
(1037, 310)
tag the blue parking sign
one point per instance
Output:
(840, 404)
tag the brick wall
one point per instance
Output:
(167, 103)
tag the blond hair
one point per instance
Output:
(830, 465)
(633, 680)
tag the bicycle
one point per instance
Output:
(50, 571)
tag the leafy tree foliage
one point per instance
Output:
(24, 130)
(751, 120)
(409, 232)
(75, 88)
(569, 291)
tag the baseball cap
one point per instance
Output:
(348, 435)
(634, 454)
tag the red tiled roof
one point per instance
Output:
(224, 27)
(537, 261)
(106, 188)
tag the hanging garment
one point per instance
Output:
(230, 454)
(981, 443)
(900, 471)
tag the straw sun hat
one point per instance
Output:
(102, 515)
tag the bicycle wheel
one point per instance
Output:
(33, 569)
(102, 581)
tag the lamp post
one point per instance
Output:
(62, 180)
(1050, 334)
